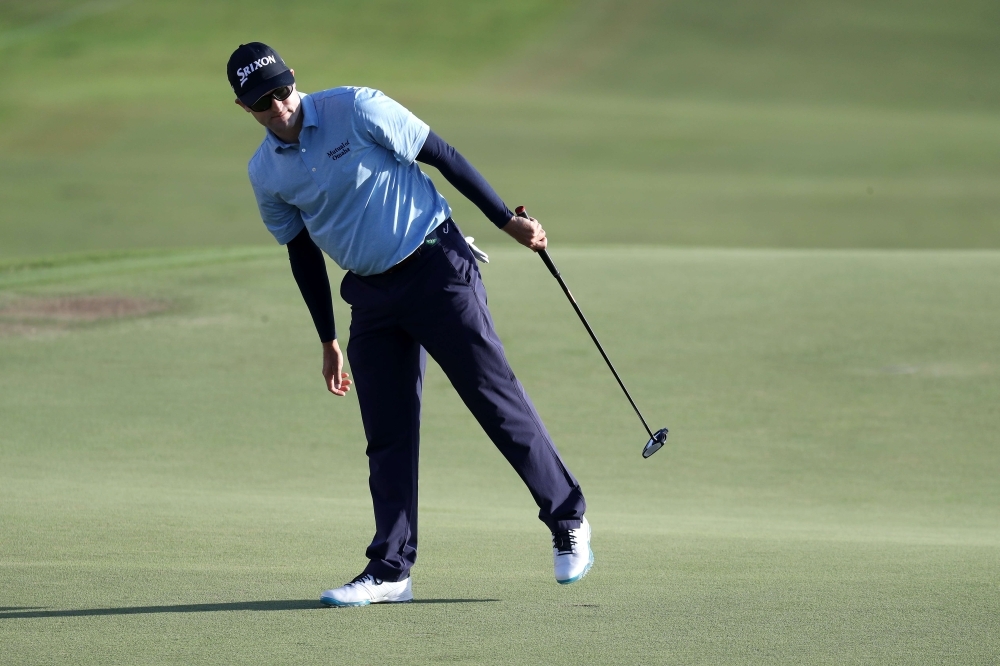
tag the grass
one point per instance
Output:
(179, 488)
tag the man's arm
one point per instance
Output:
(393, 127)
(467, 180)
(309, 270)
(457, 170)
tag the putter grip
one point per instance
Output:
(521, 211)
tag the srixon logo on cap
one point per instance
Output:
(245, 71)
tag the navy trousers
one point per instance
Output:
(436, 304)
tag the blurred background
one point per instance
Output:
(844, 123)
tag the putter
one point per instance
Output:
(656, 439)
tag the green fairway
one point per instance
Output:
(178, 487)
(780, 217)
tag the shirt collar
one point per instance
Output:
(308, 120)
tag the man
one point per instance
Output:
(336, 173)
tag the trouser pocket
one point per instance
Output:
(457, 251)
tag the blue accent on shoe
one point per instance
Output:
(330, 601)
(582, 574)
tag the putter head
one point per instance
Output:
(656, 443)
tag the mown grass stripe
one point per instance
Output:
(42, 270)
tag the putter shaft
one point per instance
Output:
(521, 212)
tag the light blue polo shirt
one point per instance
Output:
(350, 180)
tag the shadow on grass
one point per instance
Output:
(277, 605)
(453, 601)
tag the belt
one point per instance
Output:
(413, 255)
(416, 253)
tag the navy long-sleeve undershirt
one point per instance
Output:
(306, 259)
(464, 177)
(309, 270)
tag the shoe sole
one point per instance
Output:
(333, 603)
(583, 573)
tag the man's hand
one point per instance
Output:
(337, 381)
(528, 232)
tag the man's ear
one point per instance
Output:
(241, 104)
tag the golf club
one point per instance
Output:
(656, 439)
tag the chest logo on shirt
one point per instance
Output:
(340, 150)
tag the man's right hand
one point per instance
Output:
(337, 381)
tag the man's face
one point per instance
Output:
(282, 115)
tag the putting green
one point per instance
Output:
(178, 487)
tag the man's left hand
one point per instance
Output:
(527, 231)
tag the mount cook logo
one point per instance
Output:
(246, 70)
(340, 150)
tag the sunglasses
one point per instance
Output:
(264, 103)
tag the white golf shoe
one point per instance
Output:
(367, 589)
(572, 554)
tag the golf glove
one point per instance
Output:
(476, 252)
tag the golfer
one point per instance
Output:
(336, 173)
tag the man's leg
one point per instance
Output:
(388, 367)
(452, 322)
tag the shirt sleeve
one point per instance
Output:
(281, 218)
(390, 124)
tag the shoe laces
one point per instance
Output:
(564, 541)
(364, 578)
